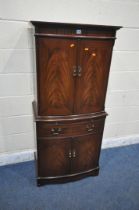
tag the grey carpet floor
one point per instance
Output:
(116, 187)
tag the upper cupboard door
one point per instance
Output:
(56, 60)
(93, 67)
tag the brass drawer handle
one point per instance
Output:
(90, 127)
(56, 131)
(79, 71)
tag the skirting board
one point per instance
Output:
(16, 157)
(28, 155)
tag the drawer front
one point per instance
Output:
(71, 129)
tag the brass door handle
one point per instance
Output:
(79, 71)
(74, 71)
(74, 153)
(70, 154)
(56, 131)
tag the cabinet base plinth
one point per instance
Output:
(68, 178)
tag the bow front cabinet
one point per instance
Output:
(73, 62)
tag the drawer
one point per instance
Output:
(71, 129)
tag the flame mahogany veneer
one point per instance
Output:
(73, 62)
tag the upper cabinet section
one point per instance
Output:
(73, 63)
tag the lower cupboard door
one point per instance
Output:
(85, 153)
(53, 157)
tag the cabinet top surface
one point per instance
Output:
(74, 25)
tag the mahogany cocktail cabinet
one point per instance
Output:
(73, 62)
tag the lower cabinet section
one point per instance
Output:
(68, 150)
(60, 157)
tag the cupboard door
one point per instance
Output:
(85, 152)
(53, 157)
(93, 63)
(56, 63)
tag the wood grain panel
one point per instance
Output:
(53, 157)
(94, 61)
(87, 150)
(57, 57)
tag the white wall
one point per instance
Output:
(17, 65)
